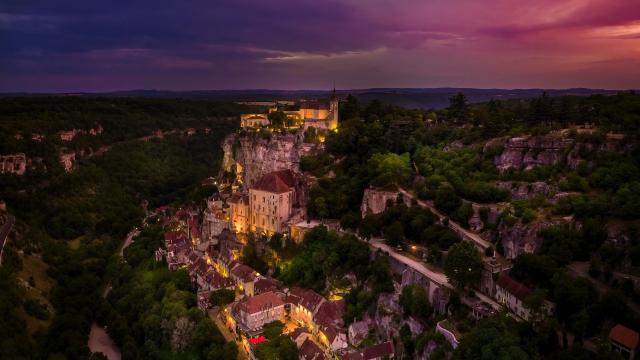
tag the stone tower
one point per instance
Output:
(333, 111)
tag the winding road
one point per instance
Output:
(481, 243)
(436, 277)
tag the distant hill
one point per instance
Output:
(406, 97)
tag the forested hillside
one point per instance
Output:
(70, 225)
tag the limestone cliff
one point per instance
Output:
(250, 156)
(530, 151)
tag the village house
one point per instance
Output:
(299, 336)
(310, 351)
(513, 294)
(375, 352)
(13, 164)
(624, 341)
(250, 314)
(239, 212)
(244, 277)
(215, 220)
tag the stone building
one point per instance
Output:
(254, 120)
(271, 202)
(250, 314)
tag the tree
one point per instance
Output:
(389, 168)
(414, 302)
(494, 338)
(273, 329)
(446, 198)
(394, 234)
(463, 264)
(222, 297)
(458, 108)
(277, 118)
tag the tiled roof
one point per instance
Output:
(243, 272)
(310, 351)
(254, 304)
(624, 336)
(329, 314)
(377, 351)
(264, 285)
(514, 287)
(309, 299)
(237, 198)
(276, 182)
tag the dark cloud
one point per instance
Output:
(59, 45)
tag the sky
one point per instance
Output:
(105, 45)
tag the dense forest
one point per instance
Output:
(441, 156)
(71, 225)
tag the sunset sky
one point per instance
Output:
(70, 45)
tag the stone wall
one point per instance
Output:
(374, 201)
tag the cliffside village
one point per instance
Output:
(267, 197)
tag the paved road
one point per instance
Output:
(481, 243)
(4, 233)
(436, 277)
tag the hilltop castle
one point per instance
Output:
(316, 114)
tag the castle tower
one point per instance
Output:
(333, 111)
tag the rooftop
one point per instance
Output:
(278, 182)
(624, 336)
(514, 287)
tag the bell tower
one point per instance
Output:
(333, 111)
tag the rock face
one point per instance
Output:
(250, 156)
(583, 150)
(531, 151)
(523, 238)
(477, 220)
(528, 152)
(527, 191)
(374, 201)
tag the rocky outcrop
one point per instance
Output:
(250, 156)
(484, 215)
(523, 238)
(527, 191)
(374, 201)
(587, 150)
(530, 151)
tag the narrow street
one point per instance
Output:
(214, 315)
